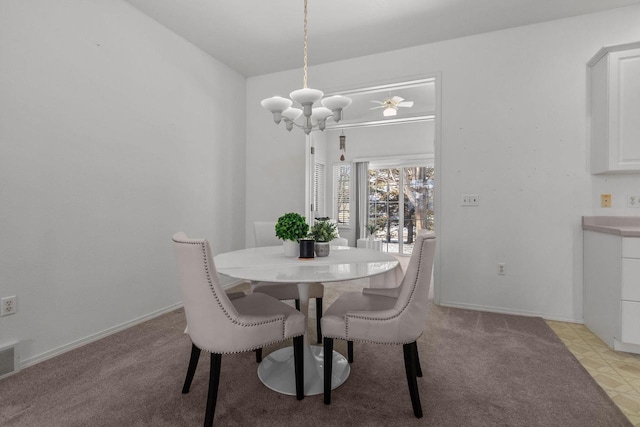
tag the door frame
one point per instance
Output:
(436, 77)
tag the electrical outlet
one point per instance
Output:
(633, 201)
(470, 200)
(501, 268)
(605, 200)
(8, 306)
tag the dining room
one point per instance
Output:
(119, 128)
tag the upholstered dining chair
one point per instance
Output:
(385, 316)
(265, 235)
(225, 324)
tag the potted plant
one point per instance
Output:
(372, 228)
(323, 231)
(291, 227)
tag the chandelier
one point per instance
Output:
(312, 117)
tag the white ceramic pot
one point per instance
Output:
(291, 248)
(322, 248)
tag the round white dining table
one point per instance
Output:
(269, 264)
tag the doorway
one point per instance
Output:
(411, 134)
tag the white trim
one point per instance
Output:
(377, 87)
(629, 348)
(110, 331)
(373, 123)
(95, 337)
(491, 309)
(400, 159)
(437, 164)
(308, 182)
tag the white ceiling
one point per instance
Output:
(262, 36)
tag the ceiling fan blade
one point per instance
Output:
(375, 108)
(378, 102)
(406, 104)
(397, 99)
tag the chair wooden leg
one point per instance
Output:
(214, 381)
(259, 355)
(418, 367)
(298, 358)
(328, 366)
(410, 351)
(298, 304)
(350, 351)
(318, 317)
(193, 364)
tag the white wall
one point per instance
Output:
(513, 131)
(114, 134)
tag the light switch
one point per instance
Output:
(470, 200)
(605, 200)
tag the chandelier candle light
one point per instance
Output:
(312, 117)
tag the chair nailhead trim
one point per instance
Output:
(413, 289)
(202, 244)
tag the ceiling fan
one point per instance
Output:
(391, 105)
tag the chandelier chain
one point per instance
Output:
(304, 83)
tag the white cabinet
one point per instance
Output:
(612, 289)
(614, 82)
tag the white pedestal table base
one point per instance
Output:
(276, 371)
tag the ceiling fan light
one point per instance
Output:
(389, 112)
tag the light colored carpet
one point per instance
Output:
(480, 369)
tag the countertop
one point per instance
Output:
(625, 226)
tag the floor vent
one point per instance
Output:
(8, 359)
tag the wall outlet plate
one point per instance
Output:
(8, 306)
(605, 200)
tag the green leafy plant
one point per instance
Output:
(291, 226)
(372, 228)
(323, 230)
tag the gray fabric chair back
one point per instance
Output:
(206, 305)
(413, 300)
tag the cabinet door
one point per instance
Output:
(630, 321)
(631, 280)
(624, 105)
(631, 247)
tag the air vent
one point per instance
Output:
(8, 359)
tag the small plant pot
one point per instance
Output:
(306, 248)
(322, 249)
(291, 248)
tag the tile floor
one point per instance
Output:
(617, 373)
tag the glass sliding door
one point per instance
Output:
(400, 205)
(418, 184)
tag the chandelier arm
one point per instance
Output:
(302, 127)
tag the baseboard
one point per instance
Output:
(622, 346)
(502, 310)
(91, 338)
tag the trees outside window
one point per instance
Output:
(401, 204)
